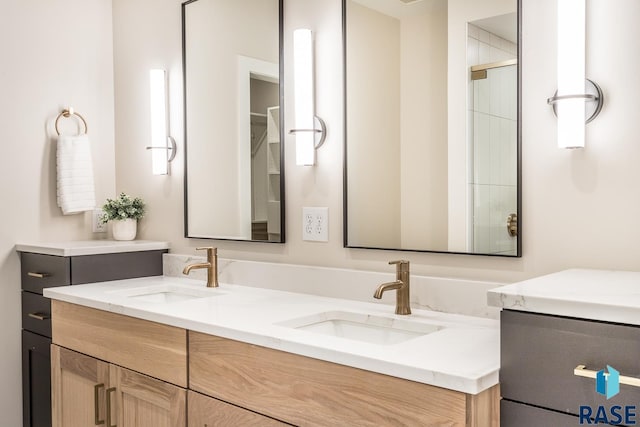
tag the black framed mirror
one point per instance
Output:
(233, 95)
(432, 126)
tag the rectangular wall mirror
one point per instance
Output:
(234, 175)
(432, 129)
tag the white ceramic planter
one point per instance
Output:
(124, 229)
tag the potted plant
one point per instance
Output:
(124, 213)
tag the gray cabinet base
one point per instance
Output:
(36, 380)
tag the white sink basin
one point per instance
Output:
(167, 293)
(362, 327)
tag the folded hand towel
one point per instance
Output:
(76, 191)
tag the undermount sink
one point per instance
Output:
(362, 327)
(167, 293)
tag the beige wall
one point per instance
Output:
(54, 54)
(573, 200)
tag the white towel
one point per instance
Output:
(76, 191)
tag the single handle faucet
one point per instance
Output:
(211, 265)
(401, 285)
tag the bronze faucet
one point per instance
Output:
(211, 265)
(401, 285)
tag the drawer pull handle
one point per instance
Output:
(109, 391)
(39, 316)
(38, 275)
(96, 403)
(582, 371)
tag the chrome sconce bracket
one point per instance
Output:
(320, 130)
(593, 98)
(171, 148)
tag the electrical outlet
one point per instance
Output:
(315, 224)
(96, 224)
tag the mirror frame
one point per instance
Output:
(518, 150)
(281, 84)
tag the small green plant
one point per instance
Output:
(123, 207)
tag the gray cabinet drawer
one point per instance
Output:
(44, 271)
(539, 354)
(36, 313)
(106, 267)
(514, 414)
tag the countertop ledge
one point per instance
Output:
(463, 356)
(91, 247)
(604, 295)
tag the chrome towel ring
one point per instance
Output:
(68, 113)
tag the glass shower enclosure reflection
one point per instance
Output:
(492, 142)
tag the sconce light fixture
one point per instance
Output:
(310, 130)
(163, 146)
(577, 100)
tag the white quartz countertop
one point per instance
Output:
(91, 247)
(462, 356)
(607, 295)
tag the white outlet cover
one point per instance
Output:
(315, 224)
(97, 225)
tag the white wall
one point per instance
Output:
(54, 54)
(579, 206)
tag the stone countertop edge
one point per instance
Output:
(90, 247)
(602, 295)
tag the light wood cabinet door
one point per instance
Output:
(90, 392)
(142, 401)
(78, 384)
(205, 411)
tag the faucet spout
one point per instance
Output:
(211, 265)
(190, 267)
(397, 284)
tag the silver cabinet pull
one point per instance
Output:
(582, 371)
(38, 275)
(39, 316)
(96, 403)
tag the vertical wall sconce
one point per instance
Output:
(163, 146)
(310, 130)
(577, 100)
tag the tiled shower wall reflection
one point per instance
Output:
(492, 139)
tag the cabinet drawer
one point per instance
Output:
(207, 411)
(305, 391)
(540, 352)
(36, 313)
(118, 266)
(44, 271)
(514, 414)
(151, 348)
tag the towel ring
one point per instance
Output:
(68, 113)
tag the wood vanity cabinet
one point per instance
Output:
(133, 373)
(40, 271)
(539, 353)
